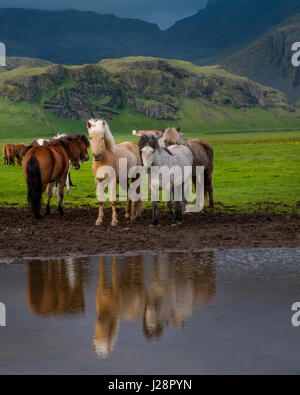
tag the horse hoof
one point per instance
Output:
(99, 223)
(153, 225)
(174, 225)
(114, 223)
(127, 216)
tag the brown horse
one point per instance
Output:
(45, 165)
(20, 152)
(9, 154)
(203, 154)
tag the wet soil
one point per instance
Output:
(75, 234)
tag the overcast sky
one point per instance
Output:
(162, 12)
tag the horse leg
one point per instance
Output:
(171, 208)
(178, 215)
(101, 214)
(154, 214)
(49, 196)
(127, 210)
(61, 197)
(68, 185)
(209, 188)
(114, 221)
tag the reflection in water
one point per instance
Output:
(178, 282)
(161, 291)
(56, 288)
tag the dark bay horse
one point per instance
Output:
(45, 165)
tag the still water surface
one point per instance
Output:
(179, 313)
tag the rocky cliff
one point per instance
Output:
(153, 87)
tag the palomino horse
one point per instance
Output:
(203, 154)
(152, 154)
(45, 165)
(107, 153)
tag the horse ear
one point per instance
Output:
(103, 123)
(178, 130)
(89, 124)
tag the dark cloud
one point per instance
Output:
(162, 12)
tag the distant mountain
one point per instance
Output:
(268, 59)
(74, 37)
(135, 93)
(227, 25)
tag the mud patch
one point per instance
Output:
(75, 233)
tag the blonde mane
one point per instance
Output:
(173, 137)
(99, 126)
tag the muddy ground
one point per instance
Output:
(75, 234)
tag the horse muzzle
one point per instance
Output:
(77, 167)
(97, 158)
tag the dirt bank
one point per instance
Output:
(75, 234)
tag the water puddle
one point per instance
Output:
(177, 313)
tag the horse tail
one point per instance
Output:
(5, 156)
(34, 181)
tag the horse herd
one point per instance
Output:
(47, 163)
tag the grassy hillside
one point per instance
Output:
(137, 93)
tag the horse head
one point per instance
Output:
(101, 138)
(148, 144)
(76, 146)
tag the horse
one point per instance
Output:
(107, 153)
(152, 154)
(45, 142)
(20, 152)
(9, 154)
(203, 155)
(45, 165)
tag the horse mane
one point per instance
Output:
(148, 140)
(100, 126)
(172, 136)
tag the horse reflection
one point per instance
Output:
(122, 296)
(179, 282)
(56, 288)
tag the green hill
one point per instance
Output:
(134, 93)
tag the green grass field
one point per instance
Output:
(256, 170)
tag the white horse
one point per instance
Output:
(177, 159)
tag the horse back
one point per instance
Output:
(130, 151)
(52, 165)
(203, 153)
